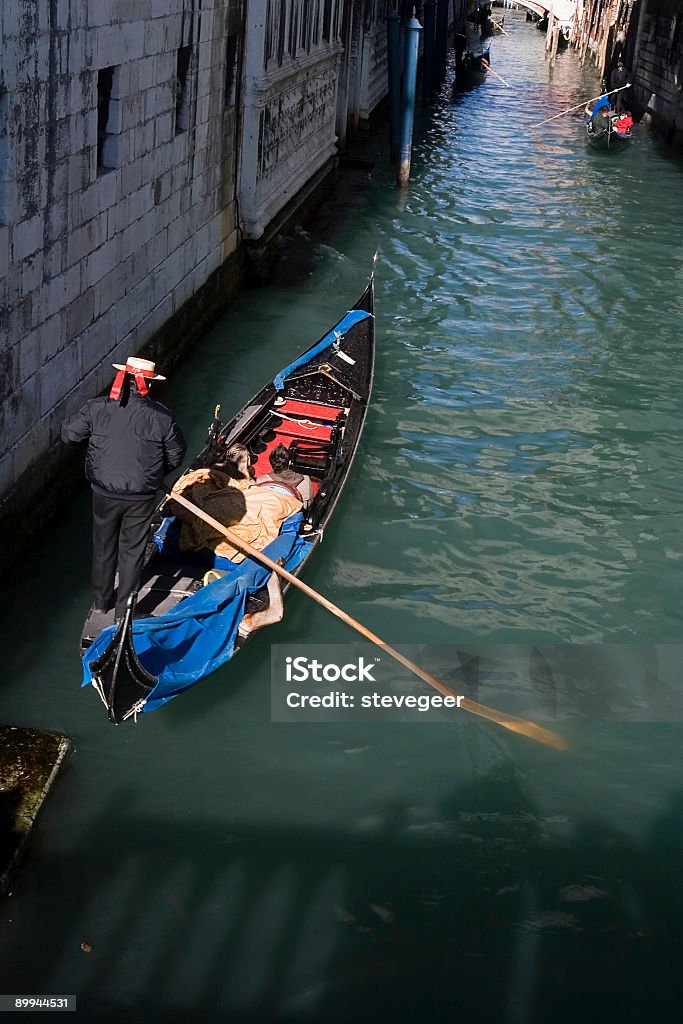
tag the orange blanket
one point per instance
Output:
(255, 514)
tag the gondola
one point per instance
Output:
(610, 140)
(472, 69)
(180, 626)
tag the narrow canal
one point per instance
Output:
(519, 483)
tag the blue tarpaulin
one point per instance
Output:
(198, 635)
(603, 101)
(353, 317)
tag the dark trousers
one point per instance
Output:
(120, 535)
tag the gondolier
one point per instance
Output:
(618, 80)
(133, 442)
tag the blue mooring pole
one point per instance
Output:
(412, 31)
(428, 52)
(394, 69)
(441, 50)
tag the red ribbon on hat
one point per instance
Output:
(139, 375)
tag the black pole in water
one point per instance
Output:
(428, 75)
(441, 48)
(412, 33)
(394, 70)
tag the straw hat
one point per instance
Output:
(143, 366)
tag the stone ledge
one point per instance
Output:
(29, 762)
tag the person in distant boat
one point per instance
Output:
(623, 123)
(133, 442)
(460, 48)
(617, 80)
(600, 120)
(602, 101)
(281, 472)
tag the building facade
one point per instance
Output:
(117, 192)
(141, 141)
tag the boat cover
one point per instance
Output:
(198, 635)
(353, 317)
(603, 101)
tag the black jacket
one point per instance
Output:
(618, 78)
(131, 447)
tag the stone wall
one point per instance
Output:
(289, 100)
(117, 192)
(658, 65)
(140, 142)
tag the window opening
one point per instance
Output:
(230, 70)
(105, 80)
(182, 97)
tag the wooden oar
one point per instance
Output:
(519, 725)
(500, 27)
(583, 104)
(496, 74)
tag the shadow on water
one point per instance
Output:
(516, 916)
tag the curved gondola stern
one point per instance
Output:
(121, 682)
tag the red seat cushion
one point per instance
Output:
(319, 412)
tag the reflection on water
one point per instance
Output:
(519, 483)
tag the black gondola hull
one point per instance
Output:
(329, 392)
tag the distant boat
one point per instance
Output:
(609, 138)
(472, 69)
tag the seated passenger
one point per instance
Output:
(280, 462)
(601, 103)
(623, 123)
(600, 121)
(225, 491)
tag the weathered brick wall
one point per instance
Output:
(100, 246)
(658, 67)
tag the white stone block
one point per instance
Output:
(29, 447)
(134, 10)
(115, 119)
(161, 8)
(27, 237)
(154, 37)
(31, 273)
(131, 177)
(79, 172)
(52, 337)
(133, 33)
(79, 314)
(58, 376)
(165, 67)
(7, 478)
(29, 355)
(112, 46)
(101, 13)
(54, 258)
(146, 73)
(20, 410)
(95, 343)
(100, 263)
(164, 129)
(4, 250)
(133, 108)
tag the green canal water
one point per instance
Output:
(519, 482)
